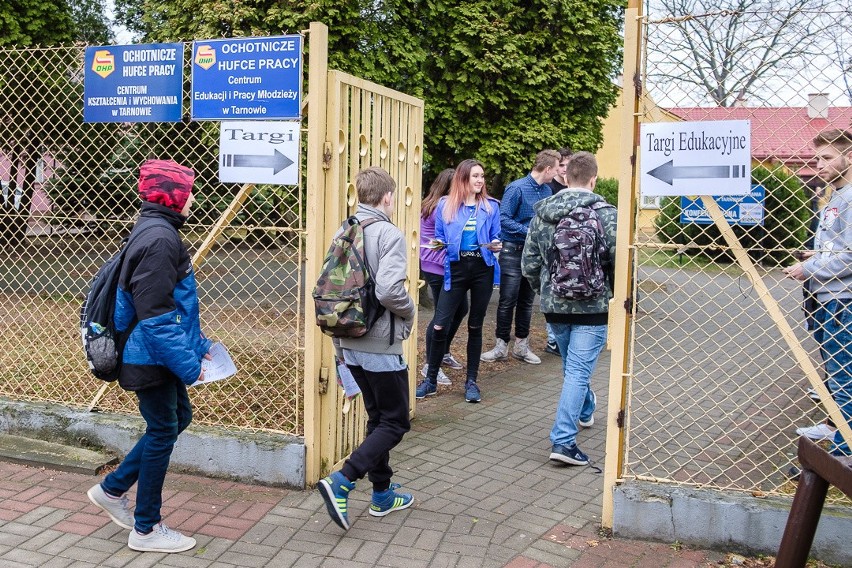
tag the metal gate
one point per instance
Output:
(711, 362)
(359, 124)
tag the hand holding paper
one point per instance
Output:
(434, 244)
(219, 366)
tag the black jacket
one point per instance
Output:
(157, 287)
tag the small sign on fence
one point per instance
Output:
(738, 209)
(133, 83)
(259, 152)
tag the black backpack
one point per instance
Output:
(102, 343)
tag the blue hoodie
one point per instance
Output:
(487, 230)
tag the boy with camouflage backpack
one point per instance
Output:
(571, 300)
(375, 358)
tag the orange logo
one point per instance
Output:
(104, 63)
(205, 57)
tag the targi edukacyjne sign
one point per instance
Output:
(247, 79)
(133, 83)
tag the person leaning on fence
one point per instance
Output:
(580, 325)
(516, 296)
(467, 225)
(375, 361)
(432, 267)
(157, 301)
(829, 269)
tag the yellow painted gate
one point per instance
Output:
(358, 124)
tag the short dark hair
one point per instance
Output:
(582, 167)
(835, 137)
(546, 158)
(372, 185)
(565, 152)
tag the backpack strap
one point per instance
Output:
(364, 224)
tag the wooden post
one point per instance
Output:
(620, 306)
(315, 226)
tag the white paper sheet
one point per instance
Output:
(221, 366)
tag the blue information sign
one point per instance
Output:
(247, 78)
(133, 83)
(738, 209)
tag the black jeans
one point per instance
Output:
(469, 274)
(386, 402)
(516, 294)
(436, 283)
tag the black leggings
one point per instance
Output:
(470, 274)
(436, 283)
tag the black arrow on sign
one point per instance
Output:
(277, 161)
(668, 172)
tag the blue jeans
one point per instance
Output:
(167, 412)
(551, 339)
(580, 346)
(516, 294)
(834, 333)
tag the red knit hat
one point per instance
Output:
(165, 182)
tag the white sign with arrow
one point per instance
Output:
(259, 152)
(696, 158)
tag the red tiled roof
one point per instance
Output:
(777, 133)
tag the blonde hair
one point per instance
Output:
(545, 159)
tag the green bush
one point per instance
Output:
(786, 218)
(608, 188)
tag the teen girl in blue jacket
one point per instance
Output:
(467, 222)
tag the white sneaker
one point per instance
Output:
(116, 507)
(499, 353)
(521, 351)
(443, 379)
(817, 432)
(161, 539)
(452, 362)
(591, 421)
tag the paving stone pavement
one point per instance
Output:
(485, 496)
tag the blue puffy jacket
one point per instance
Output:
(157, 287)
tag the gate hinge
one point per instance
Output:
(326, 155)
(323, 380)
(619, 420)
(628, 305)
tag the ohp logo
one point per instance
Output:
(205, 57)
(103, 63)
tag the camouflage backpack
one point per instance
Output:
(576, 258)
(345, 294)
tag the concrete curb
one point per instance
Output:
(252, 457)
(721, 520)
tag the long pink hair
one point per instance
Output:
(460, 188)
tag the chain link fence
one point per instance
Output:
(715, 395)
(69, 196)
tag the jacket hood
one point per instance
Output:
(552, 209)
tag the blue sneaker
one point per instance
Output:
(335, 490)
(569, 454)
(387, 501)
(471, 392)
(424, 389)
